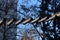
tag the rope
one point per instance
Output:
(29, 20)
(1, 21)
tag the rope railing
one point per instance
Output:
(29, 20)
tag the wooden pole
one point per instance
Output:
(25, 36)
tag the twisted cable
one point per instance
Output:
(27, 20)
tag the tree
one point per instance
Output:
(8, 11)
(42, 9)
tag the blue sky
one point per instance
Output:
(33, 6)
(28, 4)
(31, 13)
